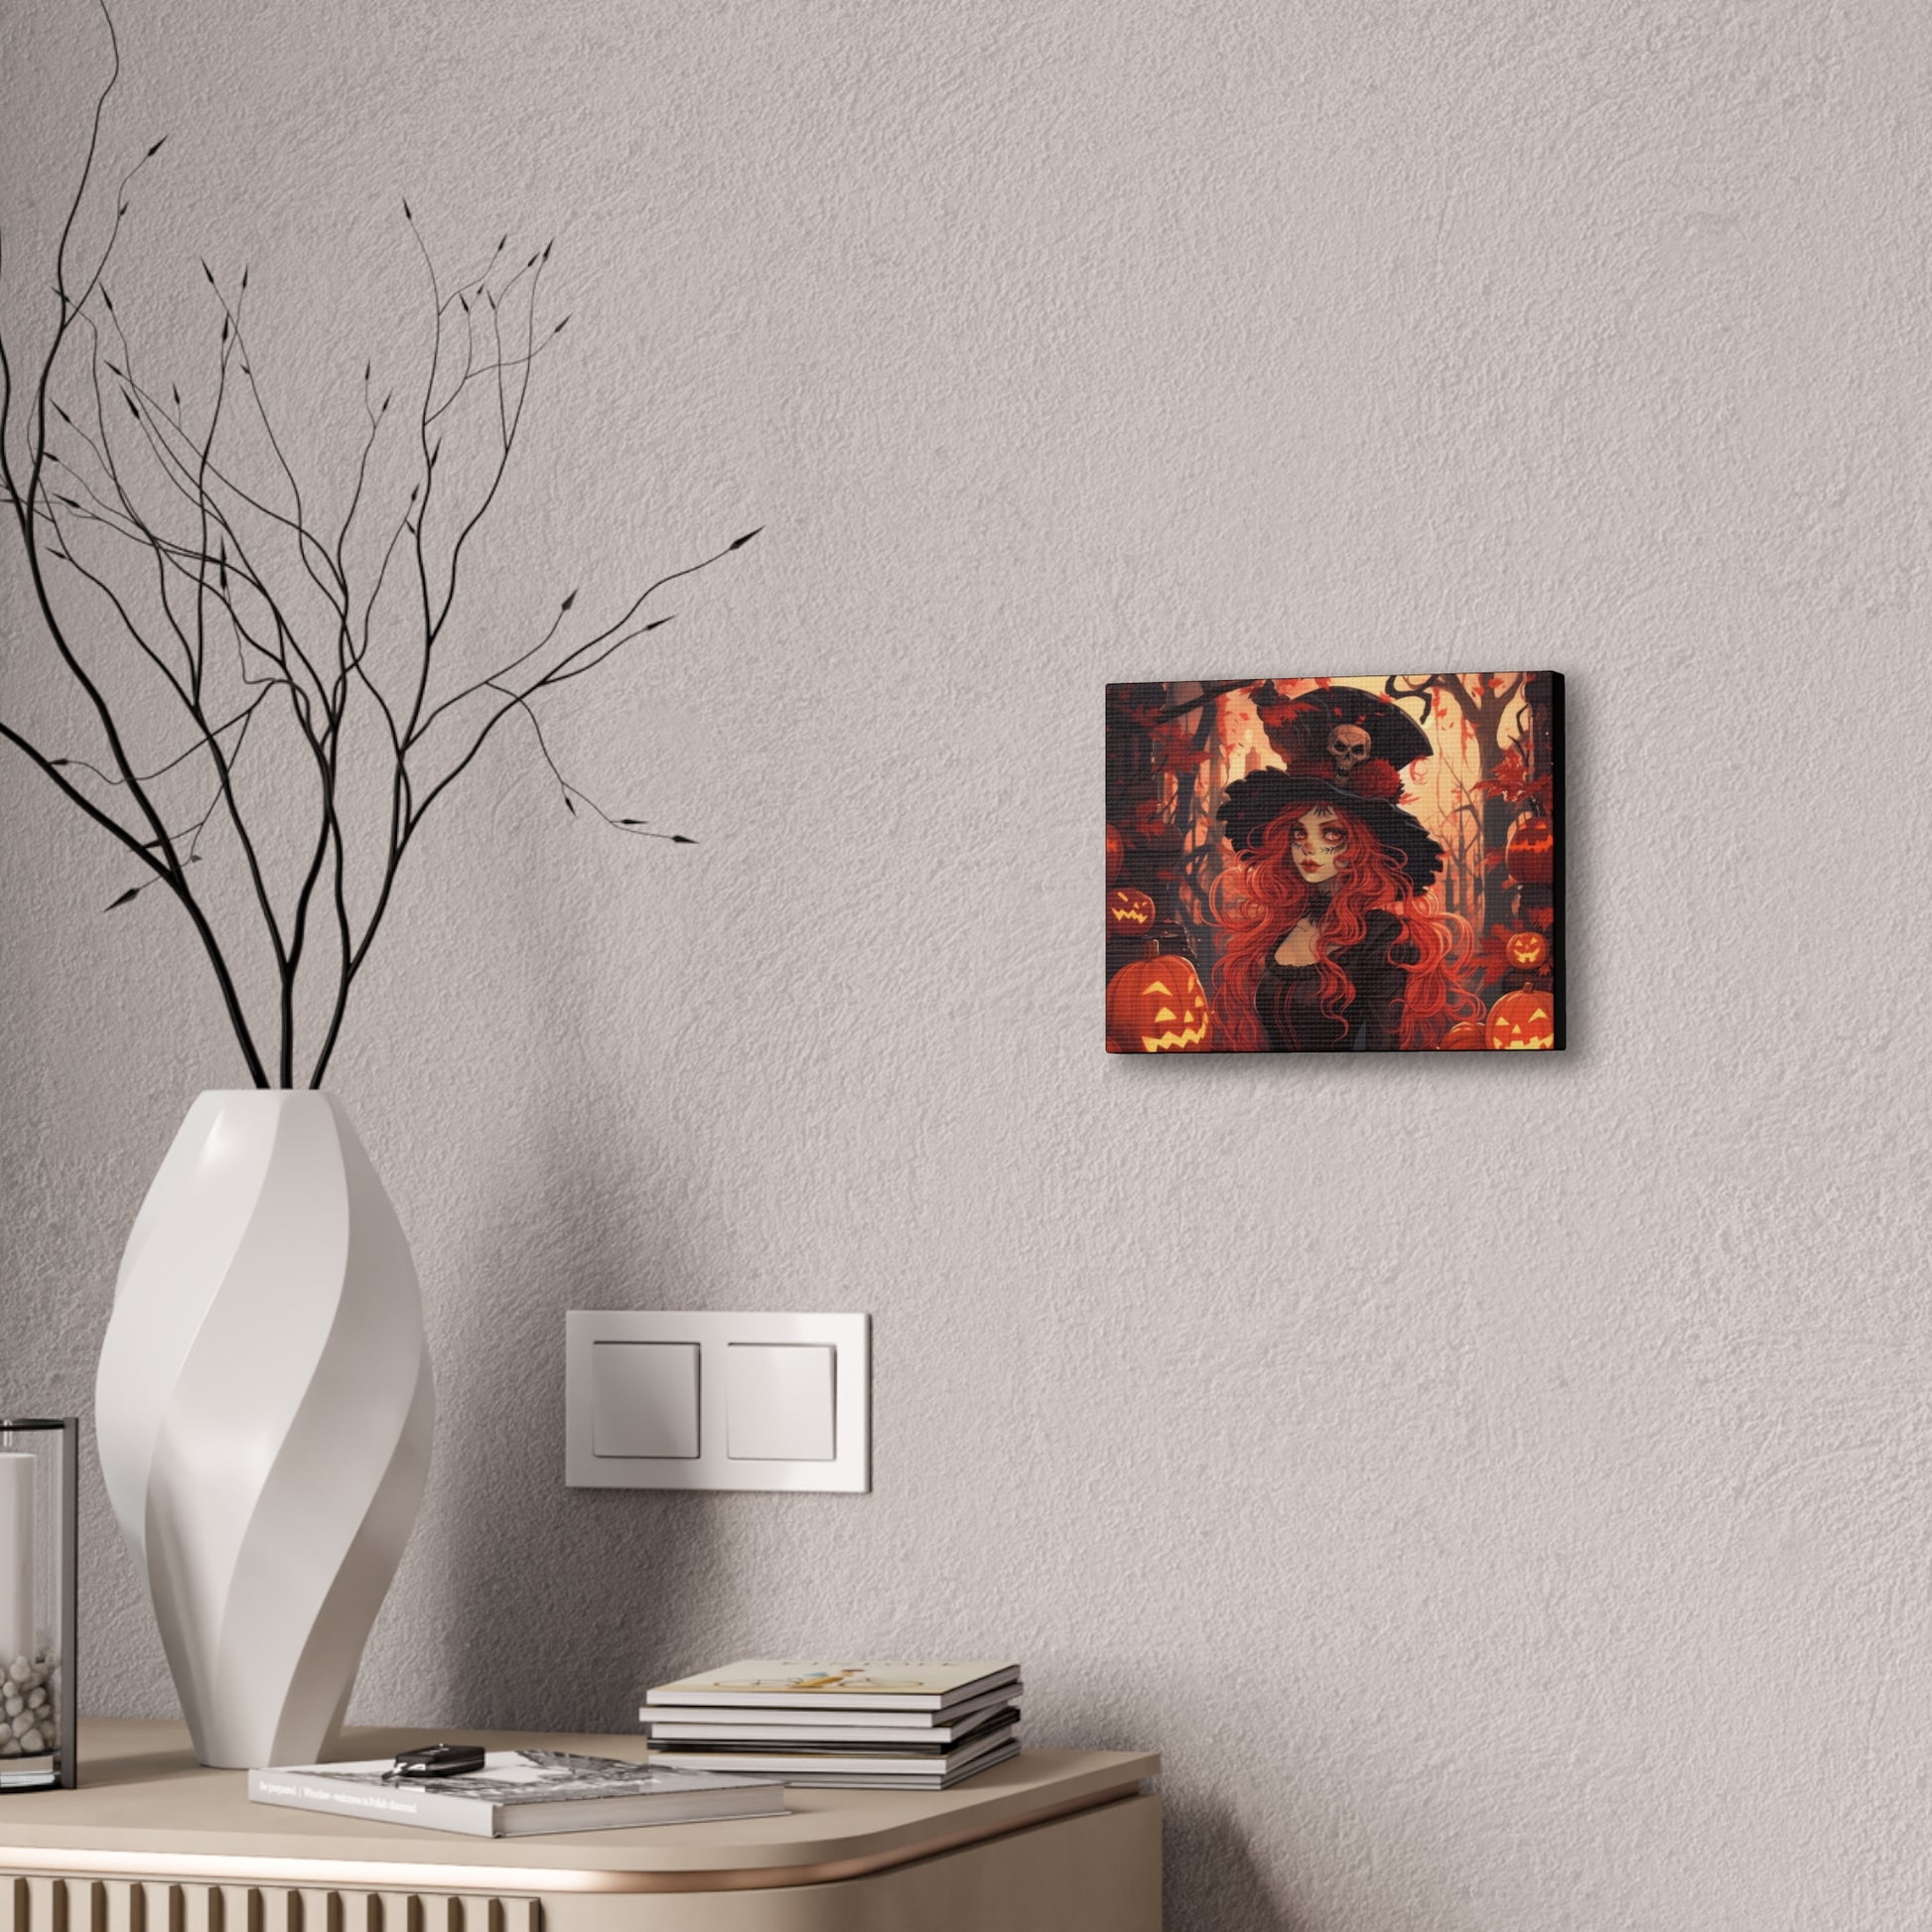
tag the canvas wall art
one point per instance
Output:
(1336, 865)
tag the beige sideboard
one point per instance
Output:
(151, 1842)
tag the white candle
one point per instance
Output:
(16, 1558)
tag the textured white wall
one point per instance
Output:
(1499, 1488)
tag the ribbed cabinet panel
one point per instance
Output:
(80, 1905)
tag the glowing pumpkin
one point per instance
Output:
(1532, 853)
(1116, 852)
(1156, 1005)
(1129, 910)
(1522, 1019)
(1465, 1037)
(1526, 950)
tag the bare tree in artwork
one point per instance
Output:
(1485, 705)
(172, 558)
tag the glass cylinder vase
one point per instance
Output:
(38, 1522)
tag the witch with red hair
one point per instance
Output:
(1332, 942)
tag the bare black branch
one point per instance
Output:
(180, 565)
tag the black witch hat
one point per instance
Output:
(1340, 726)
(1346, 749)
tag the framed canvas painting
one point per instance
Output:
(1336, 865)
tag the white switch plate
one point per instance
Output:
(804, 1385)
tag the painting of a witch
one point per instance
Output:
(1327, 865)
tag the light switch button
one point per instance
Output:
(644, 1397)
(779, 1402)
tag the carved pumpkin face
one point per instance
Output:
(1116, 852)
(1465, 1037)
(1526, 950)
(1129, 910)
(1156, 1005)
(1532, 853)
(1522, 1019)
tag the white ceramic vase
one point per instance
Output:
(263, 1411)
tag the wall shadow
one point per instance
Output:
(1211, 1879)
(525, 1605)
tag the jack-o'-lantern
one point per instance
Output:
(1116, 852)
(1465, 1037)
(1129, 910)
(1526, 951)
(1522, 1019)
(1532, 853)
(1156, 1005)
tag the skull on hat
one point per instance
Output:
(1349, 745)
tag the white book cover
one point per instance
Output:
(825, 1726)
(837, 1687)
(518, 1793)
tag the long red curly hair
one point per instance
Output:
(1258, 902)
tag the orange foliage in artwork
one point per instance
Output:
(1511, 782)
(1176, 749)
(1532, 853)
(1116, 852)
(1156, 1005)
(1522, 1019)
(1129, 910)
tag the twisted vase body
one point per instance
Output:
(264, 1410)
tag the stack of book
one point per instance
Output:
(889, 1727)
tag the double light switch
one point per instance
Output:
(716, 1401)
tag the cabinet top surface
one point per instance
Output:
(144, 1804)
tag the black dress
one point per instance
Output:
(1287, 999)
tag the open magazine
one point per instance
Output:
(522, 1792)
